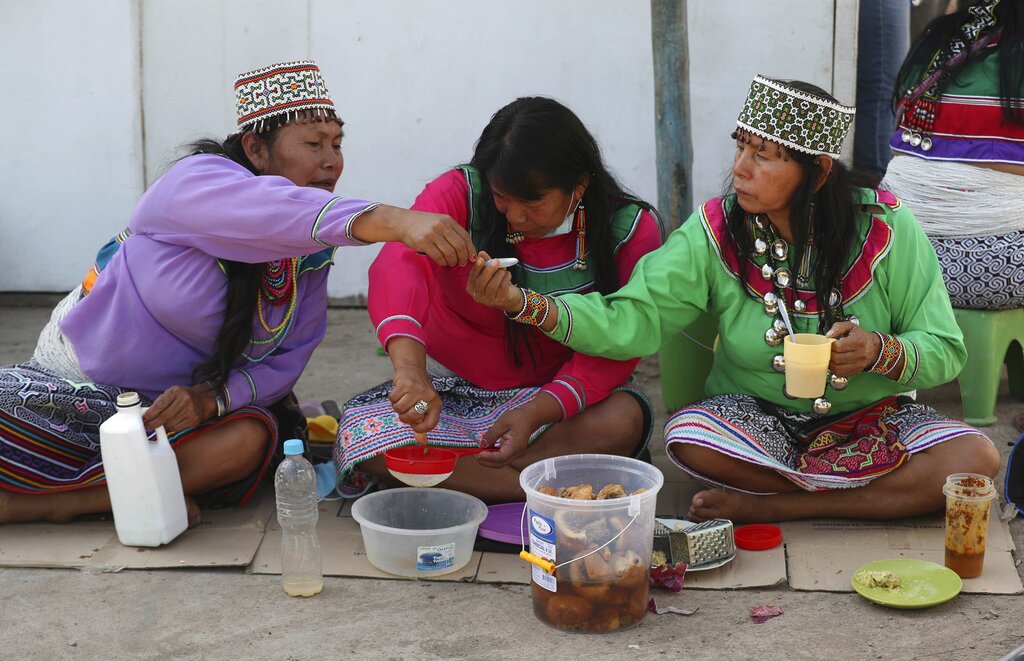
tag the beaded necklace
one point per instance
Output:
(278, 288)
(775, 250)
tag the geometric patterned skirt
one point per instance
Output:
(369, 425)
(50, 439)
(984, 272)
(815, 453)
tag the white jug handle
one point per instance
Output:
(161, 436)
(161, 433)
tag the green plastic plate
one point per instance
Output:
(924, 583)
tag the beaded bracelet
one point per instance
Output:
(535, 309)
(889, 354)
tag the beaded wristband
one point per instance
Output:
(889, 354)
(535, 309)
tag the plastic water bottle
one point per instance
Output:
(142, 478)
(295, 483)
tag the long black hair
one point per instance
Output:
(244, 279)
(534, 144)
(1009, 17)
(825, 218)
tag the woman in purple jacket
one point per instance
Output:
(209, 305)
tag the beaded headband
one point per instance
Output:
(797, 120)
(281, 89)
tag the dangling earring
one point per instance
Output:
(581, 237)
(512, 236)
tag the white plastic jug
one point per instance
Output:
(142, 478)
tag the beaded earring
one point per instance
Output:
(581, 238)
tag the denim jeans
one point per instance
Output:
(883, 40)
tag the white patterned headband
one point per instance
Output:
(795, 119)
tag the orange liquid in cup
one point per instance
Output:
(968, 502)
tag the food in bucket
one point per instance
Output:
(604, 590)
(884, 580)
(586, 492)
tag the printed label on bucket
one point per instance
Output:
(542, 545)
(429, 558)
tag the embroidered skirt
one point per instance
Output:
(815, 453)
(369, 425)
(50, 439)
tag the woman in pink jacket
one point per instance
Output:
(536, 189)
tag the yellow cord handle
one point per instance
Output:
(549, 567)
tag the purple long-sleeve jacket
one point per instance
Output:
(155, 312)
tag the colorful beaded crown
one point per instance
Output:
(280, 89)
(797, 120)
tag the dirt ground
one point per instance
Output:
(227, 614)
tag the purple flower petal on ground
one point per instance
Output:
(764, 613)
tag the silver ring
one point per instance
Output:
(421, 407)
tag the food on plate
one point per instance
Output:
(884, 580)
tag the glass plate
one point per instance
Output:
(924, 583)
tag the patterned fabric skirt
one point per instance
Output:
(50, 439)
(983, 273)
(815, 453)
(369, 425)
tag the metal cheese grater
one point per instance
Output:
(705, 542)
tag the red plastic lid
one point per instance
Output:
(758, 537)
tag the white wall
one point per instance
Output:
(415, 81)
(70, 136)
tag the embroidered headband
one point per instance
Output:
(281, 89)
(797, 120)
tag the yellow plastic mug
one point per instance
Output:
(807, 357)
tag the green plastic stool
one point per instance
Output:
(686, 362)
(992, 337)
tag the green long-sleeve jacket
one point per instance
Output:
(893, 284)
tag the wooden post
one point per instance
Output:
(672, 110)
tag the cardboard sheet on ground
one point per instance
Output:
(226, 538)
(823, 555)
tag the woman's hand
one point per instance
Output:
(491, 285)
(181, 407)
(855, 349)
(514, 429)
(434, 234)
(439, 237)
(412, 385)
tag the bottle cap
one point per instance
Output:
(128, 399)
(294, 446)
(758, 537)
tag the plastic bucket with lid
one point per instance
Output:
(419, 532)
(601, 549)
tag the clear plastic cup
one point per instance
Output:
(968, 501)
(807, 357)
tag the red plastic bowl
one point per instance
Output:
(420, 460)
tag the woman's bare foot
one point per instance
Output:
(737, 506)
(5, 508)
(195, 516)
